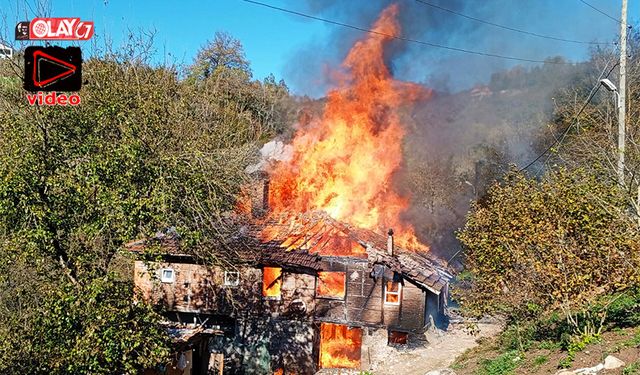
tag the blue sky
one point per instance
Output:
(182, 27)
(272, 39)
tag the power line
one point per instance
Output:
(399, 37)
(507, 27)
(559, 140)
(600, 11)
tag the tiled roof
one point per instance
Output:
(303, 239)
(168, 240)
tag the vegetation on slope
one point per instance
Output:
(554, 249)
(149, 147)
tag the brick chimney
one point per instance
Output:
(259, 194)
(390, 242)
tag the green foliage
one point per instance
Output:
(540, 360)
(574, 345)
(549, 345)
(517, 336)
(96, 329)
(624, 311)
(535, 247)
(504, 364)
(145, 150)
(632, 369)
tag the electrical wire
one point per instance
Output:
(601, 12)
(559, 140)
(399, 37)
(507, 27)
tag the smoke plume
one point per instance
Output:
(486, 112)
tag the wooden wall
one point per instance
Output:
(196, 288)
(411, 310)
(364, 302)
(200, 289)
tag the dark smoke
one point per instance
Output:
(419, 63)
(486, 112)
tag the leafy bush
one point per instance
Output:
(535, 248)
(624, 311)
(540, 360)
(518, 336)
(504, 364)
(632, 369)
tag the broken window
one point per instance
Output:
(271, 282)
(398, 338)
(392, 290)
(340, 346)
(231, 278)
(331, 285)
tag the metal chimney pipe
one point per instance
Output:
(390, 242)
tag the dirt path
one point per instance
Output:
(439, 353)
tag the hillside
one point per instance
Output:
(548, 358)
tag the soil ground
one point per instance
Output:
(623, 344)
(440, 352)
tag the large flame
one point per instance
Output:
(340, 346)
(331, 284)
(344, 161)
(271, 282)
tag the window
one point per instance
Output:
(398, 338)
(340, 346)
(392, 290)
(331, 285)
(271, 282)
(231, 278)
(167, 275)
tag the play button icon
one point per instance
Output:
(52, 69)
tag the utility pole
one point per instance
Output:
(622, 107)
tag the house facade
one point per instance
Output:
(305, 293)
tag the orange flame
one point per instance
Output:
(271, 282)
(343, 162)
(339, 346)
(331, 284)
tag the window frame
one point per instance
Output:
(277, 280)
(228, 282)
(387, 292)
(344, 286)
(167, 280)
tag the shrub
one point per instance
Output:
(504, 364)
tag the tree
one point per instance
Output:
(224, 52)
(557, 244)
(143, 151)
(95, 328)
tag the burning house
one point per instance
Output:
(307, 292)
(317, 278)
